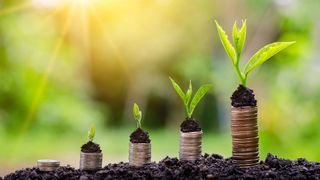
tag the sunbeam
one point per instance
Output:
(44, 79)
(15, 8)
(114, 47)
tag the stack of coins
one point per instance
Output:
(139, 153)
(245, 139)
(90, 161)
(190, 145)
(48, 164)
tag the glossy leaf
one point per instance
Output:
(226, 44)
(197, 97)
(178, 89)
(264, 54)
(188, 94)
(137, 114)
(92, 132)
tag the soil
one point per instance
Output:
(243, 96)
(207, 167)
(139, 136)
(91, 147)
(190, 125)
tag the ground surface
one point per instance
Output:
(208, 167)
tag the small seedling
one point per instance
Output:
(137, 114)
(189, 104)
(234, 52)
(92, 132)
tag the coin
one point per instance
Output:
(48, 164)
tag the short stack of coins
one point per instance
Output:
(190, 145)
(139, 153)
(48, 164)
(90, 161)
(245, 138)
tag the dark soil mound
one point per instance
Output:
(190, 125)
(208, 167)
(91, 147)
(139, 136)
(243, 96)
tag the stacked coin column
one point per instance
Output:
(90, 161)
(139, 153)
(190, 145)
(245, 139)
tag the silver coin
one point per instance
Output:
(48, 164)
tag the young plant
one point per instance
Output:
(234, 52)
(137, 115)
(189, 104)
(92, 132)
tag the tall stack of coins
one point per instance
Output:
(90, 161)
(245, 139)
(139, 153)
(190, 145)
(48, 164)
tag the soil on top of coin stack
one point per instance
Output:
(190, 125)
(243, 96)
(91, 147)
(207, 167)
(139, 136)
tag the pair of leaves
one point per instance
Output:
(257, 59)
(137, 114)
(189, 104)
(92, 132)
(239, 36)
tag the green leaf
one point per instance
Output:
(198, 96)
(92, 132)
(235, 35)
(137, 114)
(188, 94)
(264, 54)
(178, 89)
(241, 37)
(226, 44)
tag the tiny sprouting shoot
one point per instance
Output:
(92, 132)
(234, 51)
(137, 114)
(189, 104)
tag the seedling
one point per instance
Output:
(139, 146)
(244, 126)
(234, 51)
(90, 155)
(189, 104)
(92, 132)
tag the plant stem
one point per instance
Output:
(240, 74)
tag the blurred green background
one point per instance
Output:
(65, 64)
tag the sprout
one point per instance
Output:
(234, 53)
(186, 98)
(92, 132)
(137, 114)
